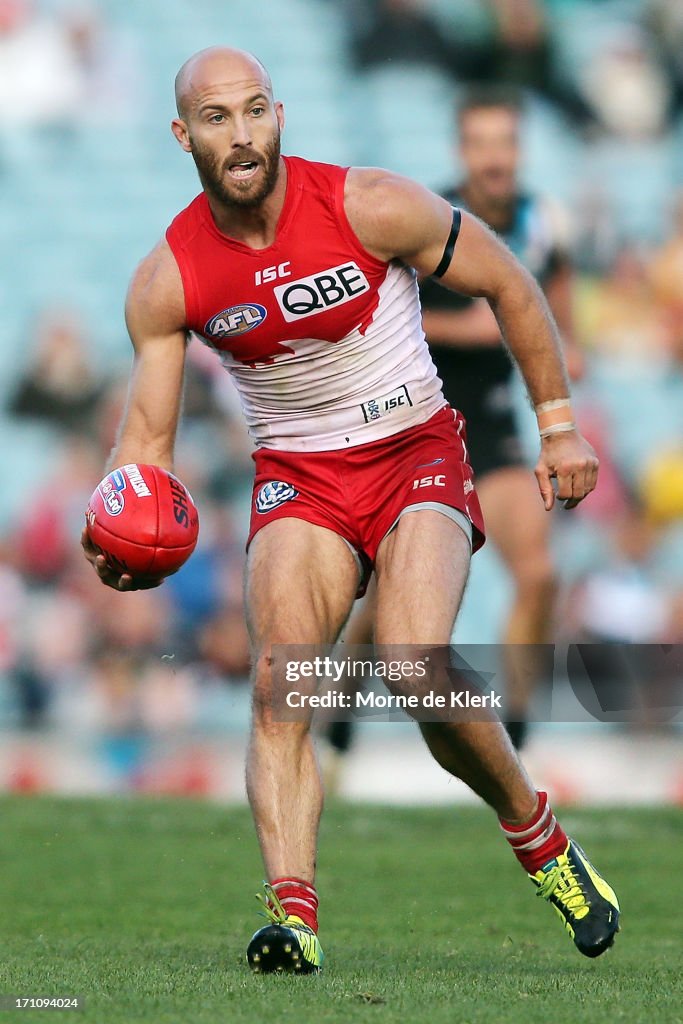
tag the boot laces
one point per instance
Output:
(563, 883)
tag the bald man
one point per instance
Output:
(302, 277)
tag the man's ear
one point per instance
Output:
(280, 114)
(179, 129)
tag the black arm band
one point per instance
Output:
(450, 244)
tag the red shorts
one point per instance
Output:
(361, 492)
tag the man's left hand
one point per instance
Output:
(568, 458)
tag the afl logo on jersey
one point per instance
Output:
(236, 320)
(274, 494)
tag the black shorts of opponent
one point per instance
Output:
(478, 382)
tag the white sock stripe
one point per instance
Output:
(310, 902)
(286, 900)
(299, 885)
(533, 844)
(541, 823)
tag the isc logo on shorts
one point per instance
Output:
(274, 494)
(430, 481)
(236, 320)
(318, 292)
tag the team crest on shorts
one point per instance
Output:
(274, 494)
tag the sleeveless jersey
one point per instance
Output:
(323, 341)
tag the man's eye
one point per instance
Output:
(257, 111)
(216, 118)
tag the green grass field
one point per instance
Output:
(144, 909)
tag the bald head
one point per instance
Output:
(229, 122)
(216, 66)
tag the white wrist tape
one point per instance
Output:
(556, 403)
(558, 428)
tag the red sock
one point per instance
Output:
(298, 898)
(538, 840)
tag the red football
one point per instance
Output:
(143, 520)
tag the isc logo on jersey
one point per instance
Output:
(378, 407)
(321, 291)
(236, 320)
(274, 494)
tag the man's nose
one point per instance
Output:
(241, 136)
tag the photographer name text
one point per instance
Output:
(392, 701)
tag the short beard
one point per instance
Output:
(212, 175)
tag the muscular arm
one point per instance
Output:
(395, 218)
(155, 315)
(476, 324)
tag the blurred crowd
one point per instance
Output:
(62, 64)
(631, 86)
(70, 648)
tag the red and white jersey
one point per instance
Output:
(323, 340)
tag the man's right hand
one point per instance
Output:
(110, 577)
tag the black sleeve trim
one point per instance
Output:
(450, 244)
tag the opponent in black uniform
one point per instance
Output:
(476, 372)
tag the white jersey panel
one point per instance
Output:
(330, 395)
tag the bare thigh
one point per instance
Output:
(300, 584)
(422, 568)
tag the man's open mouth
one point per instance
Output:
(244, 169)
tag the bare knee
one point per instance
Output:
(271, 716)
